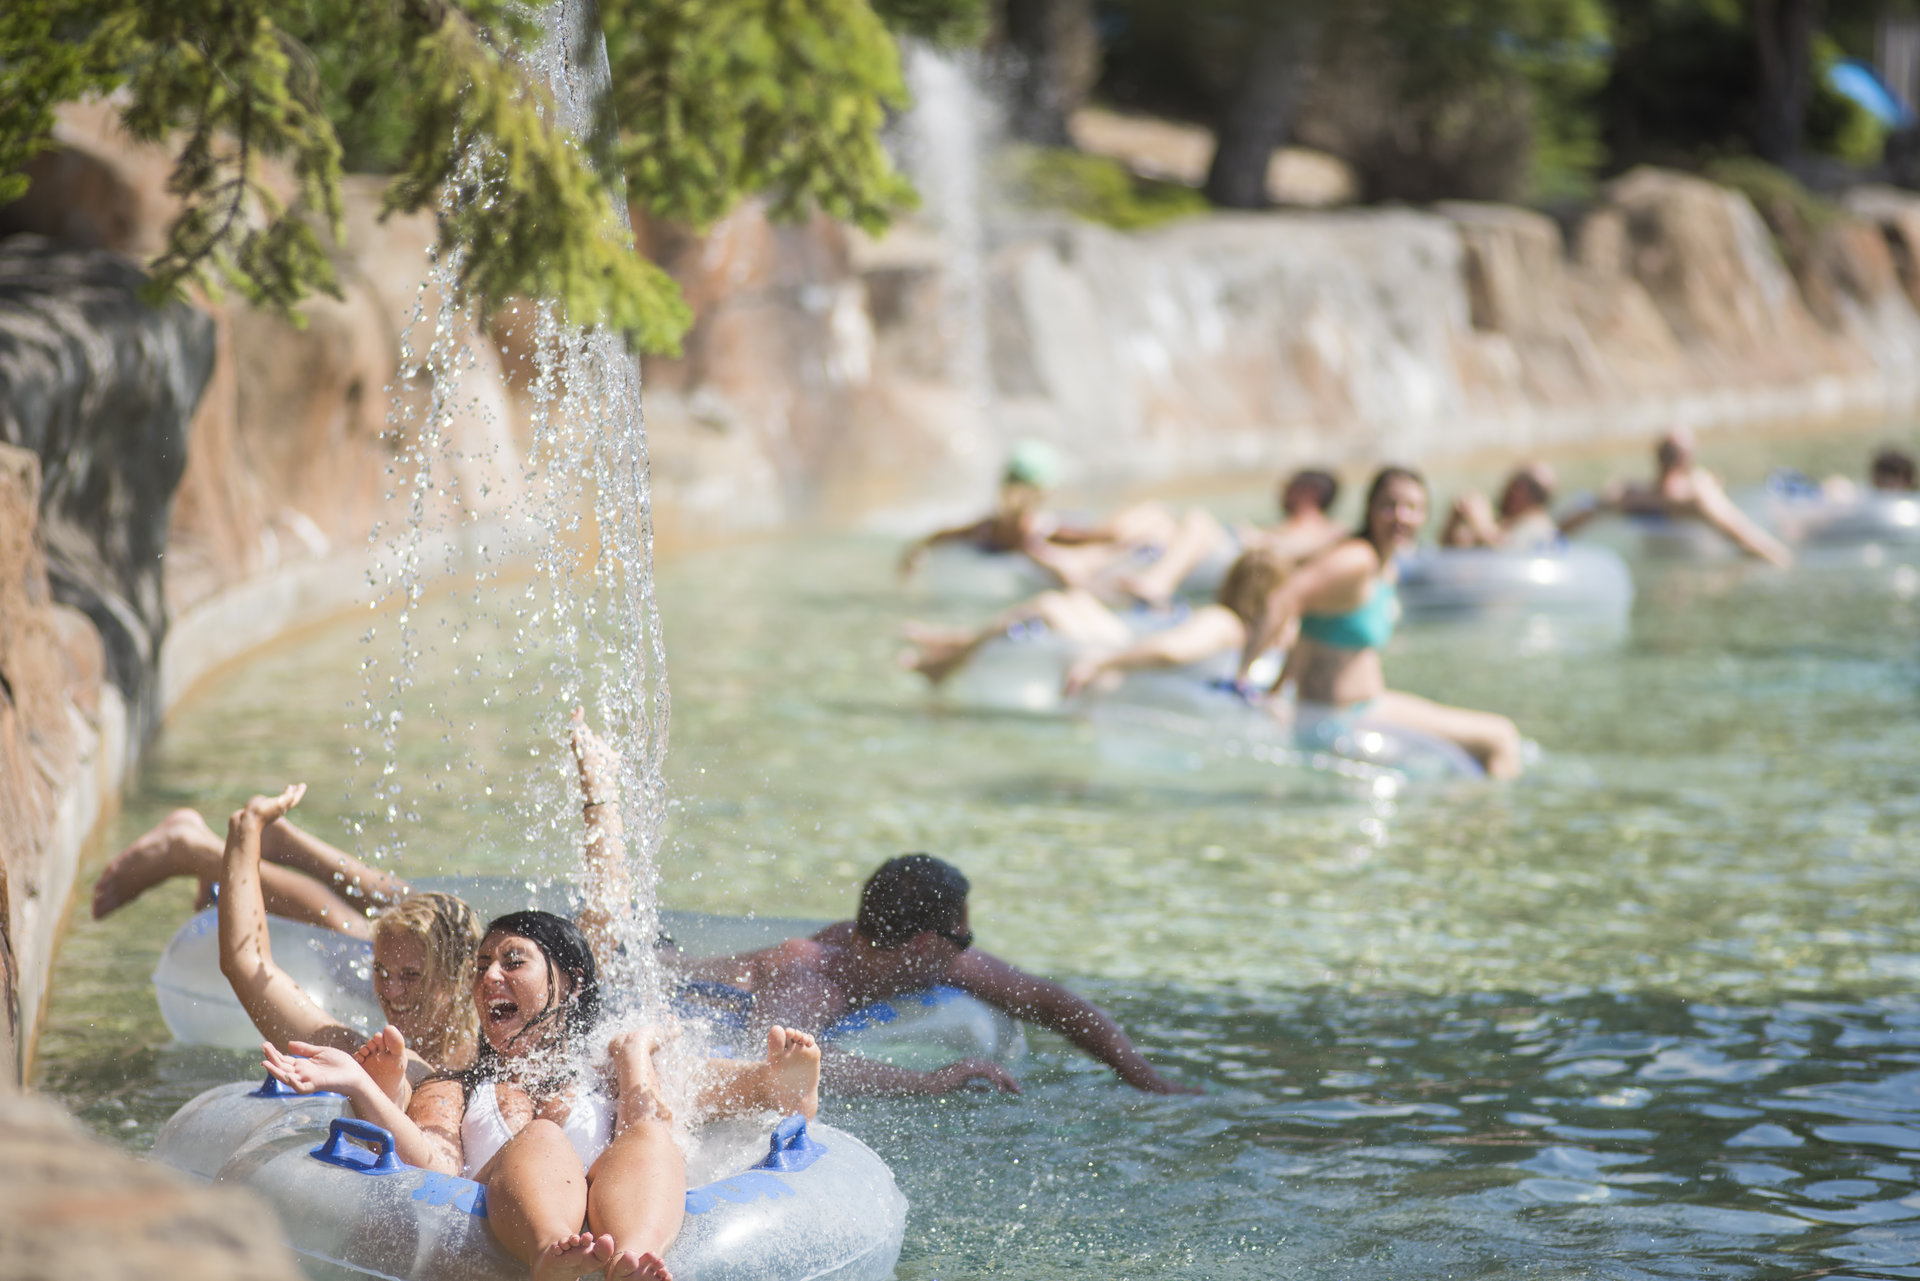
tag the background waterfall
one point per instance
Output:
(946, 140)
(585, 628)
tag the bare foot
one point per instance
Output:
(629, 1265)
(1147, 587)
(384, 1056)
(936, 652)
(165, 850)
(573, 1256)
(793, 1077)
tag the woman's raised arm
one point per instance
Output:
(609, 887)
(1349, 563)
(280, 1009)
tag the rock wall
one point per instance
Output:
(63, 752)
(814, 385)
(72, 1207)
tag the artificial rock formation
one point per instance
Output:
(62, 750)
(101, 387)
(72, 1207)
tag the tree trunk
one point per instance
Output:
(1258, 113)
(1783, 37)
(1056, 59)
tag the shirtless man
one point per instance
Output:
(1684, 490)
(1087, 557)
(912, 933)
(1523, 521)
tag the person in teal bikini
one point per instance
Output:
(1346, 602)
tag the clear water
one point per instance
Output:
(1650, 1012)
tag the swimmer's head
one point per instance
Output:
(1396, 509)
(1308, 490)
(1251, 581)
(423, 950)
(1893, 469)
(1528, 489)
(1034, 464)
(912, 895)
(1675, 449)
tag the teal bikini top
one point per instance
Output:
(1369, 627)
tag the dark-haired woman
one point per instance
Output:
(555, 1145)
(1345, 602)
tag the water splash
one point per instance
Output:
(583, 628)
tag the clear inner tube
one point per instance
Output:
(1471, 581)
(1169, 723)
(766, 1201)
(1863, 519)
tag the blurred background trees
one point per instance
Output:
(719, 100)
(791, 101)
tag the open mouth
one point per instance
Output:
(501, 1011)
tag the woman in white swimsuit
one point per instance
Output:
(556, 1147)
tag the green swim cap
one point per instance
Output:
(1033, 462)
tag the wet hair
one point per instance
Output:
(1536, 479)
(909, 895)
(1250, 581)
(1892, 469)
(1320, 486)
(449, 932)
(1381, 479)
(566, 951)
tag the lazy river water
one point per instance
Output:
(1653, 1011)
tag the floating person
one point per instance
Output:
(1523, 521)
(423, 949)
(1893, 472)
(1684, 491)
(556, 1145)
(912, 932)
(1019, 519)
(1344, 603)
(1098, 557)
(1107, 643)
(1305, 527)
(423, 941)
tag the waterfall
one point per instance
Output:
(585, 629)
(947, 135)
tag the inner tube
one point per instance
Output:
(805, 1200)
(1866, 519)
(959, 571)
(1022, 670)
(1457, 582)
(918, 1030)
(1665, 538)
(1166, 723)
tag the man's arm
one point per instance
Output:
(1720, 512)
(849, 1074)
(1053, 1007)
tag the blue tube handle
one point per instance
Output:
(338, 1150)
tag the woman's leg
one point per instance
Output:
(637, 1189)
(359, 884)
(1076, 616)
(182, 844)
(1193, 538)
(1213, 629)
(536, 1202)
(1488, 737)
(788, 1081)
